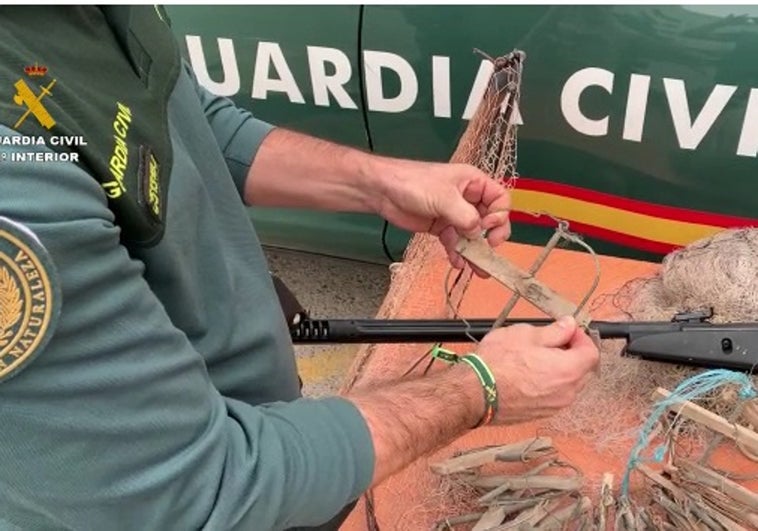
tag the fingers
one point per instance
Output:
(482, 189)
(581, 340)
(498, 227)
(494, 206)
(481, 205)
(475, 204)
(584, 348)
(496, 196)
(557, 334)
(449, 239)
(491, 220)
(463, 216)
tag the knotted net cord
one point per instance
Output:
(628, 379)
(490, 143)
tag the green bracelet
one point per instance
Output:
(486, 378)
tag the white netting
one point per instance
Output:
(490, 141)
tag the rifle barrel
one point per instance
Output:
(437, 330)
(689, 342)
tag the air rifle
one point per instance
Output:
(688, 339)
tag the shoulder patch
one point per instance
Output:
(30, 299)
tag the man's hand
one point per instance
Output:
(447, 200)
(538, 370)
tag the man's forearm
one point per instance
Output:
(410, 419)
(295, 170)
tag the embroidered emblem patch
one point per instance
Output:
(29, 297)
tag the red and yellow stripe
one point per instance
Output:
(632, 223)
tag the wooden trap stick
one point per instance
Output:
(519, 451)
(479, 253)
(554, 240)
(745, 436)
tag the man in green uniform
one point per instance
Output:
(147, 379)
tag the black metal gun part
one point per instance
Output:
(688, 339)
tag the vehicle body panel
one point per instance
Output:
(640, 123)
(292, 29)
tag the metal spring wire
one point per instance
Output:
(562, 230)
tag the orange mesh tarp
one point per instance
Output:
(411, 500)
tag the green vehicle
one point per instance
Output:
(639, 123)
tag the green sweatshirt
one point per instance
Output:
(167, 395)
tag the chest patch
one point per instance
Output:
(108, 114)
(30, 299)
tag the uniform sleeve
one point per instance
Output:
(116, 424)
(237, 131)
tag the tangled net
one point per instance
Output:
(718, 272)
(490, 141)
(678, 486)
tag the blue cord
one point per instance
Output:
(689, 389)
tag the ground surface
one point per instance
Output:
(329, 288)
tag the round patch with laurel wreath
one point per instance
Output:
(29, 297)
